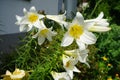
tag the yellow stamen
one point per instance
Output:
(67, 64)
(33, 17)
(76, 31)
(44, 32)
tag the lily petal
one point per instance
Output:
(49, 37)
(79, 19)
(88, 38)
(41, 39)
(70, 73)
(29, 27)
(37, 24)
(102, 23)
(99, 29)
(25, 11)
(67, 40)
(41, 16)
(18, 19)
(83, 58)
(33, 9)
(62, 75)
(8, 72)
(81, 45)
(18, 76)
(76, 70)
(24, 27)
(100, 16)
(36, 35)
(59, 19)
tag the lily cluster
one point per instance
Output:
(79, 30)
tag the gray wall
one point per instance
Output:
(10, 8)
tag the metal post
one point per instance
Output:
(71, 8)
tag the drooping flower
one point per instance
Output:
(98, 24)
(69, 65)
(60, 76)
(77, 31)
(31, 18)
(58, 18)
(80, 55)
(16, 75)
(44, 33)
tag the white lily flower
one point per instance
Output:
(98, 24)
(31, 18)
(80, 55)
(60, 76)
(16, 75)
(44, 33)
(69, 65)
(77, 31)
(58, 18)
(22, 27)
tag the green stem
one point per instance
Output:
(95, 8)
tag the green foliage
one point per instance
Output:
(111, 9)
(41, 60)
(108, 44)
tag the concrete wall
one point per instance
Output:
(10, 8)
